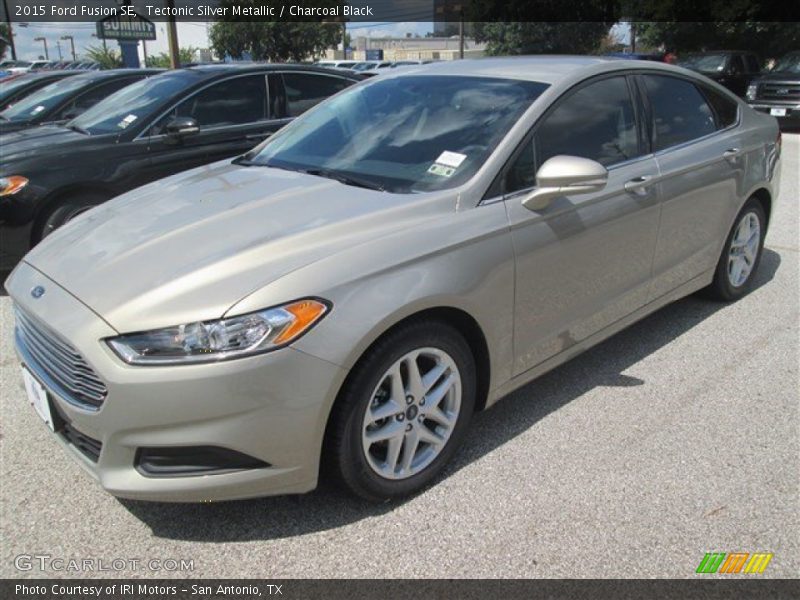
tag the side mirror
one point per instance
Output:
(180, 127)
(563, 176)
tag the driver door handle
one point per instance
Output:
(639, 185)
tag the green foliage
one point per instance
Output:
(541, 38)
(108, 58)
(161, 61)
(769, 40)
(276, 42)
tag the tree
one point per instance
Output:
(107, 58)
(541, 37)
(275, 42)
(768, 39)
(161, 61)
(4, 39)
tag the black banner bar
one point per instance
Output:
(201, 589)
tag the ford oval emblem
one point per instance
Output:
(37, 292)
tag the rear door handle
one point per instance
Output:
(639, 185)
(732, 154)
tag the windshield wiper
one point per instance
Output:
(78, 129)
(345, 179)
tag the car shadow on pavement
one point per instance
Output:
(327, 508)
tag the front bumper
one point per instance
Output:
(272, 408)
(792, 111)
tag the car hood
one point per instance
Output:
(30, 142)
(188, 247)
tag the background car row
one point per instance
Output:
(143, 125)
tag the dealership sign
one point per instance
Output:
(126, 27)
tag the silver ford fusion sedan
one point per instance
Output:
(343, 298)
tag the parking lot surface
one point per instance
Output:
(677, 437)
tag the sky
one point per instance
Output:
(189, 34)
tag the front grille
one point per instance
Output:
(67, 371)
(788, 92)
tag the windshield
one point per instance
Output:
(134, 102)
(704, 62)
(405, 134)
(41, 102)
(788, 64)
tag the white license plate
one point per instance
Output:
(37, 396)
(777, 112)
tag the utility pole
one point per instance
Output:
(633, 36)
(71, 43)
(58, 47)
(461, 34)
(172, 36)
(344, 41)
(44, 41)
(10, 31)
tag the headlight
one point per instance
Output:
(752, 91)
(223, 339)
(12, 184)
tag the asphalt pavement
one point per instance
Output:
(677, 437)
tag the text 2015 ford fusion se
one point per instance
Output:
(342, 298)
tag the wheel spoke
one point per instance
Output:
(415, 385)
(429, 437)
(440, 391)
(387, 409)
(436, 414)
(398, 392)
(393, 453)
(386, 432)
(409, 449)
(432, 376)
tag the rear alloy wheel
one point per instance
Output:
(741, 255)
(404, 412)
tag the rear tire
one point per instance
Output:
(413, 392)
(741, 254)
(64, 211)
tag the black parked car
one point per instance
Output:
(61, 101)
(732, 68)
(14, 89)
(778, 92)
(156, 127)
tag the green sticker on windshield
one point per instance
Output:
(441, 170)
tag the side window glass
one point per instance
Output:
(737, 64)
(521, 173)
(595, 122)
(236, 101)
(87, 100)
(725, 108)
(680, 112)
(305, 90)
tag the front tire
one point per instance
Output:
(64, 211)
(404, 411)
(741, 254)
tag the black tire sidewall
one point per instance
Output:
(353, 466)
(64, 211)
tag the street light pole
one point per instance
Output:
(10, 31)
(44, 41)
(58, 47)
(71, 43)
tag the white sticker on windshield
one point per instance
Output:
(127, 121)
(441, 170)
(37, 110)
(451, 159)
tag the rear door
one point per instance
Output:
(701, 157)
(585, 261)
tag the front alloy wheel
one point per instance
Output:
(412, 413)
(403, 412)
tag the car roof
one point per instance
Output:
(112, 73)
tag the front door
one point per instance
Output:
(585, 261)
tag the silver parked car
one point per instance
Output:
(341, 299)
